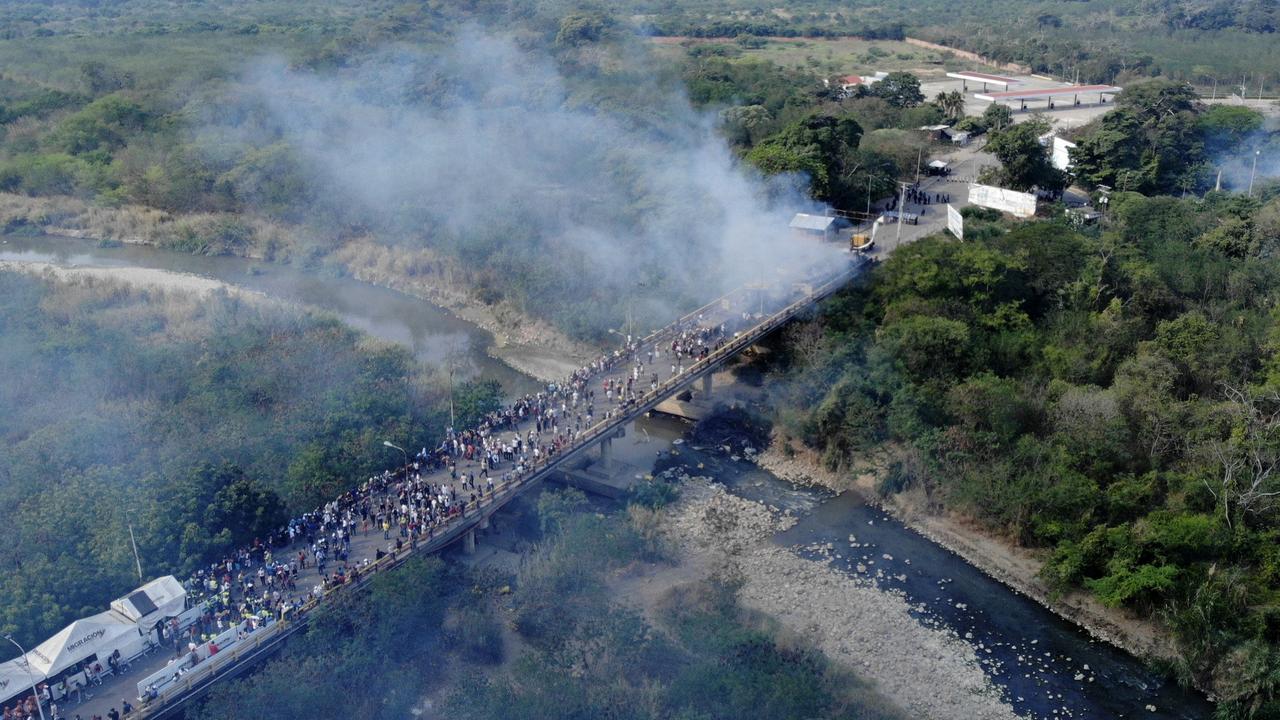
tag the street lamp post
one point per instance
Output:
(1253, 173)
(902, 207)
(27, 664)
(390, 444)
(137, 560)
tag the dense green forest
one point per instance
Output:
(202, 420)
(1109, 395)
(435, 631)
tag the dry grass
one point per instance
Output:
(420, 272)
(137, 224)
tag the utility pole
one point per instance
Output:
(902, 206)
(1215, 89)
(919, 157)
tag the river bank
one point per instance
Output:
(928, 671)
(524, 343)
(1015, 567)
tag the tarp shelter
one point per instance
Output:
(15, 679)
(161, 598)
(97, 634)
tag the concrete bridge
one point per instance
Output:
(743, 312)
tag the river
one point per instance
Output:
(436, 336)
(1046, 667)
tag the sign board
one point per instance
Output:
(955, 222)
(1015, 203)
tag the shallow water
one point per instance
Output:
(1045, 666)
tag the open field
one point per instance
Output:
(830, 55)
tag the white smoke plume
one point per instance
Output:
(487, 150)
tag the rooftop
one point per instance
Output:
(983, 77)
(805, 221)
(1048, 92)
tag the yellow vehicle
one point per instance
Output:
(861, 242)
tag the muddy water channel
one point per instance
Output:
(435, 336)
(1045, 667)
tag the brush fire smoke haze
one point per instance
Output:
(487, 151)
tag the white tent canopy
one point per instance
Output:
(15, 679)
(82, 638)
(159, 599)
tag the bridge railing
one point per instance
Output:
(448, 530)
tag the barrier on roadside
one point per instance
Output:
(157, 691)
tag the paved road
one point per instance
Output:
(739, 311)
(966, 163)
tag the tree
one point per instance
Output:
(1152, 141)
(1025, 163)
(1225, 127)
(744, 124)
(1246, 486)
(1048, 20)
(951, 104)
(823, 146)
(997, 117)
(900, 89)
(582, 28)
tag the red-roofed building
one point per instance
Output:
(849, 82)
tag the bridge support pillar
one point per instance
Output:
(469, 542)
(484, 523)
(606, 452)
(706, 386)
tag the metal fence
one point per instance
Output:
(196, 679)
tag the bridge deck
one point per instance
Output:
(742, 331)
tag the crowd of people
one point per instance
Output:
(913, 194)
(410, 503)
(265, 581)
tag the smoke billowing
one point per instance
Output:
(487, 151)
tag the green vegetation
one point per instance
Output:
(589, 656)
(1110, 397)
(207, 418)
(437, 630)
(168, 130)
(1220, 41)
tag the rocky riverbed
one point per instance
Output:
(928, 671)
(1017, 568)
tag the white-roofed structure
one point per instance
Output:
(16, 678)
(811, 226)
(101, 633)
(124, 627)
(161, 598)
(976, 77)
(1050, 94)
